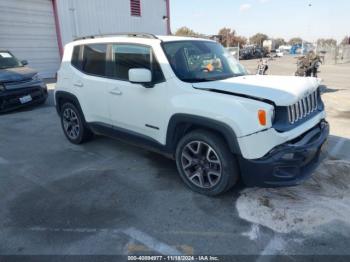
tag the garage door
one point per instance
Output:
(27, 29)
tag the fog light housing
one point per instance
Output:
(2, 88)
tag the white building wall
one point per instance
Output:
(91, 17)
(27, 29)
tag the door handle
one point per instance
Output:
(78, 84)
(116, 92)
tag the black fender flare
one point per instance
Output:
(201, 122)
(59, 95)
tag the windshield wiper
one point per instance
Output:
(192, 80)
(215, 78)
(208, 79)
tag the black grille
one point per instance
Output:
(11, 98)
(16, 82)
(289, 117)
(303, 108)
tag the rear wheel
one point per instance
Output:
(73, 125)
(205, 163)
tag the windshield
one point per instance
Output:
(199, 61)
(7, 60)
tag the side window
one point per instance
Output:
(126, 57)
(76, 60)
(94, 59)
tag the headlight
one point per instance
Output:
(36, 77)
(263, 116)
(2, 88)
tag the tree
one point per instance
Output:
(295, 41)
(345, 41)
(279, 42)
(326, 42)
(228, 37)
(258, 39)
(185, 31)
(239, 40)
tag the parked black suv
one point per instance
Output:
(19, 84)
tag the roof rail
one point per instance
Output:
(140, 35)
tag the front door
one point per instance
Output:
(133, 106)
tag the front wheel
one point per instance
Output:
(205, 163)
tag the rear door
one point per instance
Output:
(90, 82)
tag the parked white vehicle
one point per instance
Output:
(191, 100)
(279, 53)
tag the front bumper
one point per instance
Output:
(10, 99)
(288, 164)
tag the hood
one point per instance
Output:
(16, 74)
(282, 90)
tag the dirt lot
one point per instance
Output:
(107, 197)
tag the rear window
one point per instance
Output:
(76, 60)
(94, 59)
(90, 59)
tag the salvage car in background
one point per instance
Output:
(252, 53)
(19, 85)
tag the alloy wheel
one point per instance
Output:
(201, 164)
(71, 123)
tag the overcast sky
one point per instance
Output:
(276, 18)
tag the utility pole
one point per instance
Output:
(227, 40)
(308, 26)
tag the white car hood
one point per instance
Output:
(282, 90)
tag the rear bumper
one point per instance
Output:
(10, 99)
(288, 164)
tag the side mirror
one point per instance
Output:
(24, 62)
(141, 76)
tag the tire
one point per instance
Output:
(211, 175)
(73, 124)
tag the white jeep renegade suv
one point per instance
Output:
(191, 100)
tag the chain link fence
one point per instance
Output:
(334, 54)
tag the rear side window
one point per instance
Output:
(126, 57)
(94, 59)
(76, 60)
(90, 59)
